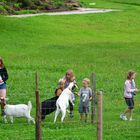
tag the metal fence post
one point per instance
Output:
(93, 109)
(100, 116)
(38, 112)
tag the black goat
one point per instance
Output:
(48, 106)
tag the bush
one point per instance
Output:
(58, 3)
(13, 6)
(9, 9)
(26, 12)
(2, 10)
(17, 6)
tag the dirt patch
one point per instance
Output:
(78, 11)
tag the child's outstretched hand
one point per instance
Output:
(76, 93)
(90, 98)
(136, 90)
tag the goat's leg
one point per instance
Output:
(5, 119)
(63, 115)
(32, 119)
(56, 114)
(29, 118)
(12, 119)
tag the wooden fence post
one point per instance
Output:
(100, 116)
(93, 109)
(38, 112)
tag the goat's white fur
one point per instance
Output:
(62, 102)
(20, 110)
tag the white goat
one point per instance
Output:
(62, 102)
(20, 110)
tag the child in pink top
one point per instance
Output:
(129, 92)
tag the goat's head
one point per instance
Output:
(72, 85)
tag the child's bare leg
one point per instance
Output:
(131, 112)
(126, 111)
(86, 116)
(81, 117)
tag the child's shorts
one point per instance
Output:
(84, 109)
(2, 86)
(130, 102)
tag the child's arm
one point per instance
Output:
(58, 93)
(136, 89)
(128, 88)
(78, 93)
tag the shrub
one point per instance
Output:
(17, 6)
(2, 10)
(58, 3)
(25, 12)
(9, 9)
(12, 6)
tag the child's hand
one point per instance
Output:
(76, 93)
(136, 90)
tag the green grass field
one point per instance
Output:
(107, 44)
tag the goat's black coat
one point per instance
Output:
(4, 74)
(48, 106)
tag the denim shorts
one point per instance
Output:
(84, 109)
(130, 102)
(2, 86)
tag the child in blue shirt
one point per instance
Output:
(85, 97)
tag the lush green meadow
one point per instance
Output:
(107, 44)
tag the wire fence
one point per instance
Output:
(104, 126)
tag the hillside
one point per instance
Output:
(132, 2)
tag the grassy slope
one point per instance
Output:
(107, 44)
(132, 2)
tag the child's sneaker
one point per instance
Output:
(123, 117)
(130, 119)
(85, 120)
